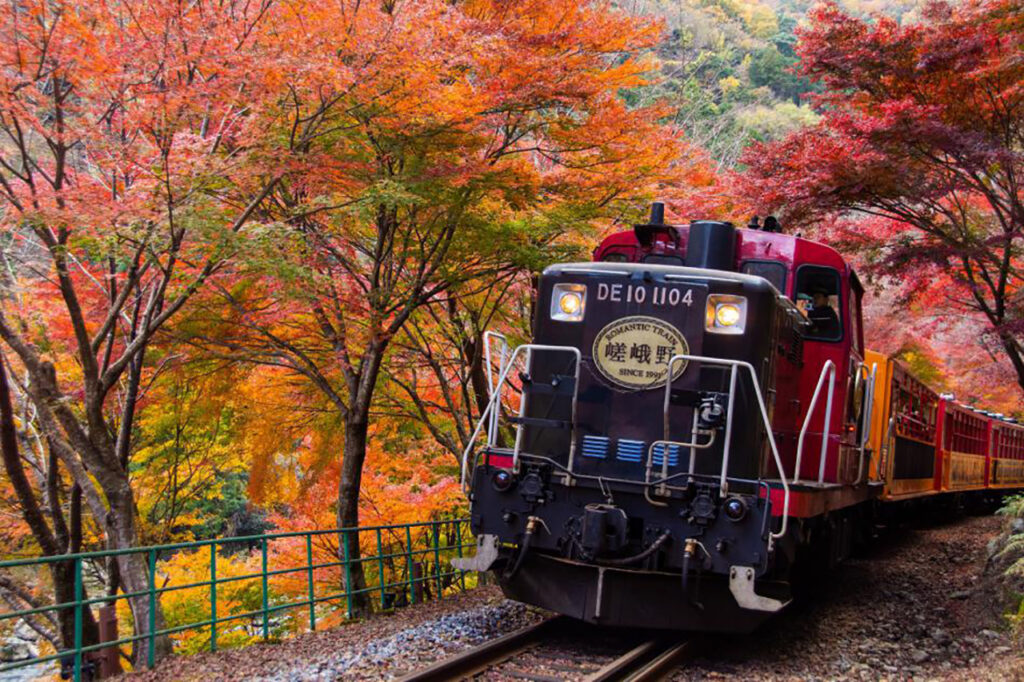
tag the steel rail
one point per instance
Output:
(486, 655)
(651, 660)
(663, 665)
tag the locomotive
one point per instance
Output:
(695, 415)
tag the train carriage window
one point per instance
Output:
(771, 270)
(818, 297)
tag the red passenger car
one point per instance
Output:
(1007, 467)
(963, 446)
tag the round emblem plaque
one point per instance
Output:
(633, 352)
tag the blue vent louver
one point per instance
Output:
(630, 450)
(595, 446)
(659, 455)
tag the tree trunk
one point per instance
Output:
(357, 423)
(63, 573)
(1013, 352)
(134, 572)
(348, 509)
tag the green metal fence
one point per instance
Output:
(401, 563)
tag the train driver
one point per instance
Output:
(824, 321)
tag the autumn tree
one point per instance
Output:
(137, 141)
(923, 127)
(460, 133)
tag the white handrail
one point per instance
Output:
(492, 425)
(829, 369)
(734, 364)
(496, 397)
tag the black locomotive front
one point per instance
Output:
(624, 498)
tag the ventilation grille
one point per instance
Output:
(659, 455)
(595, 446)
(630, 450)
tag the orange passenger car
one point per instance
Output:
(904, 430)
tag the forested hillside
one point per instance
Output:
(249, 253)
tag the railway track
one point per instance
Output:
(562, 650)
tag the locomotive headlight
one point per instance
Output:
(726, 314)
(568, 302)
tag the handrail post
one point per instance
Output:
(827, 428)
(380, 569)
(266, 596)
(437, 555)
(151, 644)
(213, 596)
(723, 485)
(492, 424)
(829, 369)
(78, 619)
(458, 551)
(309, 577)
(348, 574)
(408, 565)
(522, 411)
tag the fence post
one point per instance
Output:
(408, 565)
(348, 575)
(309, 568)
(458, 546)
(78, 619)
(213, 596)
(380, 569)
(151, 644)
(437, 556)
(266, 593)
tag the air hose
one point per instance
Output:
(636, 558)
(688, 553)
(524, 547)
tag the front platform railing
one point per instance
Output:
(489, 421)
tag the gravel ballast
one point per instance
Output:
(917, 605)
(383, 646)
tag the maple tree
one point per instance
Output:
(134, 152)
(444, 160)
(922, 126)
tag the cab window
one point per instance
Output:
(663, 259)
(617, 257)
(818, 298)
(771, 270)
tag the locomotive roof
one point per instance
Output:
(667, 271)
(790, 249)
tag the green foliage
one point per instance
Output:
(728, 69)
(772, 69)
(764, 123)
